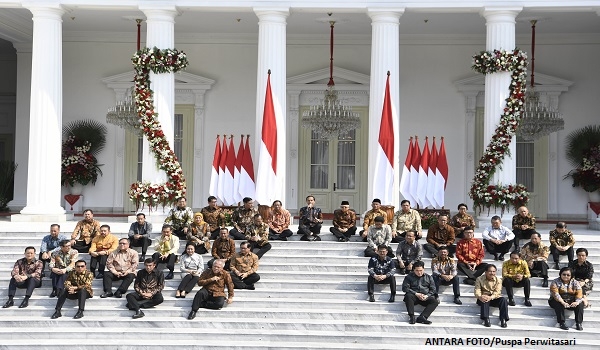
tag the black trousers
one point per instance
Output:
(500, 303)
(557, 253)
(278, 236)
(58, 281)
(143, 242)
(109, 278)
(261, 249)
(81, 295)
(494, 248)
(205, 299)
(479, 270)
(81, 246)
(454, 282)
(339, 234)
(509, 284)
(539, 269)
(169, 260)
(371, 282)
(226, 267)
(308, 230)
(180, 233)
(522, 234)
(98, 262)
(235, 234)
(430, 304)
(44, 261)
(372, 253)
(559, 310)
(198, 248)
(136, 301)
(188, 282)
(29, 284)
(239, 283)
(433, 250)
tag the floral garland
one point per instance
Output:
(588, 174)
(78, 164)
(483, 194)
(146, 193)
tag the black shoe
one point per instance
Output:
(371, 298)
(392, 299)
(487, 323)
(142, 258)
(43, 274)
(511, 302)
(503, 323)
(169, 276)
(411, 319)
(563, 326)
(578, 327)
(423, 320)
(250, 287)
(106, 295)
(192, 315)
(283, 238)
(556, 266)
(402, 271)
(24, 303)
(545, 283)
(8, 304)
(341, 239)
(53, 294)
(501, 257)
(457, 301)
(138, 314)
(78, 315)
(56, 315)
(100, 276)
(118, 294)
(527, 302)
(469, 281)
(496, 257)
(128, 307)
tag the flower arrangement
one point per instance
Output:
(83, 140)
(501, 196)
(146, 193)
(583, 151)
(588, 175)
(428, 218)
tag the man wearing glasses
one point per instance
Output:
(243, 267)
(213, 216)
(148, 286)
(121, 265)
(241, 218)
(62, 261)
(78, 286)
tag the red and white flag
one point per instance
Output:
(266, 181)
(384, 162)
(222, 166)
(214, 173)
(405, 180)
(229, 172)
(432, 176)
(247, 187)
(236, 172)
(415, 163)
(424, 176)
(441, 175)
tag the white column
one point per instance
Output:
(45, 132)
(385, 56)
(272, 55)
(500, 35)
(161, 34)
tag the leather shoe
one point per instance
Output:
(142, 258)
(578, 327)
(457, 301)
(503, 324)
(423, 320)
(371, 298)
(392, 299)
(527, 302)
(545, 283)
(8, 304)
(511, 302)
(100, 276)
(24, 304)
(106, 295)
(56, 315)
(496, 257)
(169, 276)
(564, 326)
(118, 294)
(192, 315)
(556, 266)
(78, 315)
(53, 294)
(487, 322)
(411, 319)
(138, 314)
(501, 257)
(469, 281)
(250, 287)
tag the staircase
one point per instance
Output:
(312, 295)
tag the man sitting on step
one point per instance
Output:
(139, 234)
(84, 232)
(102, 245)
(443, 271)
(408, 252)
(121, 265)
(241, 218)
(561, 243)
(497, 238)
(49, 243)
(311, 219)
(381, 271)
(212, 294)
(166, 248)
(378, 234)
(62, 261)
(257, 234)
(515, 273)
(536, 254)
(279, 222)
(78, 286)
(148, 286)
(369, 217)
(440, 235)
(344, 222)
(222, 248)
(420, 289)
(470, 253)
(243, 266)
(26, 274)
(488, 292)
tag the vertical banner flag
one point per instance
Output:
(423, 175)
(229, 172)
(236, 173)
(415, 163)
(266, 180)
(441, 175)
(247, 186)
(432, 176)
(384, 161)
(222, 165)
(214, 174)
(405, 180)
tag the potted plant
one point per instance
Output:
(83, 140)
(583, 152)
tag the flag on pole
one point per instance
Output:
(415, 163)
(214, 174)
(229, 172)
(236, 173)
(222, 165)
(247, 187)
(441, 175)
(424, 175)
(405, 180)
(384, 161)
(432, 176)
(267, 182)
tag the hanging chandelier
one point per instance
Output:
(124, 113)
(538, 120)
(330, 118)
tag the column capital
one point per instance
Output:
(500, 14)
(385, 15)
(49, 11)
(272, 14)
(160, 13)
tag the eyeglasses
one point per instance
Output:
(565, 274)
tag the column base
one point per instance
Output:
(41, 218)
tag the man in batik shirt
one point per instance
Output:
(405, 220)
(213, 216)
(84, 232)
(257, 235)
(180, 218)
(241, 218)
(148, 286)
(344, 222)
(523, 225)
(279, 224)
